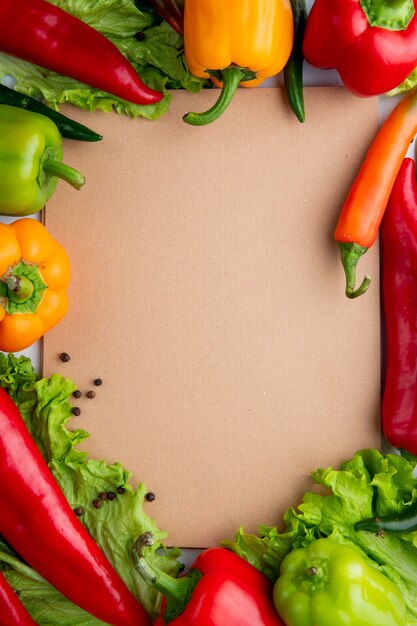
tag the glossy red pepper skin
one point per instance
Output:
(37, 521)
(39, 32)
(230, 592)
(399, 290)
(370, 60)
(12, 611)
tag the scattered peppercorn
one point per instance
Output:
(98, 382)
(140, 36)
(76, 411)
(97, 503)
(77, 393)
(103, 495)
(121, 490)
(91, 394)
(79, 511)
(150, 496)
(111, 495)
(65, 357)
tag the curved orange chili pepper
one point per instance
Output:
(34, 276)
(361, 215)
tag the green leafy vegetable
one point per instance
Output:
(369, 484)
(115, 526)
(157, 55)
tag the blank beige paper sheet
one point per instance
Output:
(208, 294)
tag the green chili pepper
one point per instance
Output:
(293, 70)
(67, 127)
(404, 522)
(330, 584)
(30, 161)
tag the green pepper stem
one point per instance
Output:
(351, 253)
(65, 172)
(177, 590)
(388, 14)
(19, 289)
(231, 78)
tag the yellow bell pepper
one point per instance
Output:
(233, 42)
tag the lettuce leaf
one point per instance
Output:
(45, 407)
(158, 58)
(369, 484)
(407, 85)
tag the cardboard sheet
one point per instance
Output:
(208, 294)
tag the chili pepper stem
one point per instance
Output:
(19, 289)
(231, 78)
(65, 172)
(351, 252)
(177, 590)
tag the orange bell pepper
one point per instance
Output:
(233, 42)
(34, 276)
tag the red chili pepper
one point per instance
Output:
(399, 291)
(37, 521)
(39, 32)
(371, 43)
(221, 589)
(12, 611)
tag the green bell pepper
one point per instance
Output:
(30, 161)
(330, 584)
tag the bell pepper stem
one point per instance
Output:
(231, 78)
(19, 289)
(388, 14)
(65, 172)
(351, 252)
(177, 590)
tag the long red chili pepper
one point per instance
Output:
(36, 519)
(12, 611)
(39, 32)
(399, 290)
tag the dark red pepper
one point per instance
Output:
(399, 291)
(39, 32)
(221, 589)
(171, 13)
(371, 43)
(37, 521)
(12, 611)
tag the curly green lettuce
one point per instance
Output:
(369, 484)
(45, 408)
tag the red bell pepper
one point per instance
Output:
(12, 611)
(371, 43)
(399, 291)
(38, 522)
(39, 32)
(221, 589)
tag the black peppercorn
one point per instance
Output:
(150, 496)
(97, 503)
(140, 36)
(103, 495)
(111, 495)
(76, 410)
(98, 382)
(79, 511)
(77, 393)
(65, 357)
(121, 490)
(91, 394)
